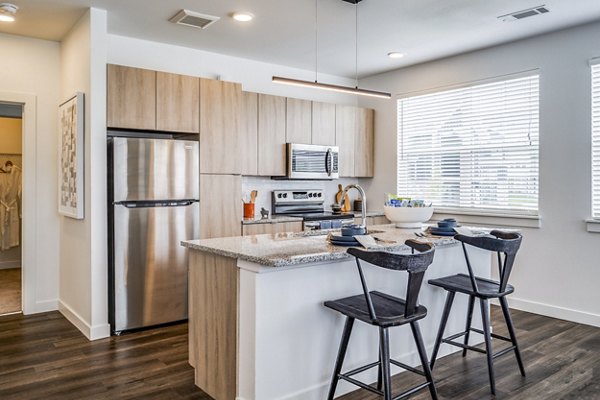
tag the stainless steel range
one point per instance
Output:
(310, 206)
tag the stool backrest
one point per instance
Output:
(506, 243)
(415, 264)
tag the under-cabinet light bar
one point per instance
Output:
(335, 88)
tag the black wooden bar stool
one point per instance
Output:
(385, 311)
(506, 243)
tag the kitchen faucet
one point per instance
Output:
(363, 196)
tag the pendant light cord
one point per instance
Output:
(316, 37)
(356, 46)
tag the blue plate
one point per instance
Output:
(342, 243)
(337, 238)
(441, 232)
(443, 228)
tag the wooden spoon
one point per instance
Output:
(253, 195)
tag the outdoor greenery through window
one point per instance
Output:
(596, 140)
(472, 149)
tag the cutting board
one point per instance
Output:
(338, 198)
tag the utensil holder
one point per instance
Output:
(248, 210)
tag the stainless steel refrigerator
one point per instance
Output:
(153, 206)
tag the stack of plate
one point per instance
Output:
(347, 241)
(445, 227)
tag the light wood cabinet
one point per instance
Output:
(364, 143)
(220, 151)
(279, 227)
(271, 135)
(131, 98)
(177, 103)
(298, 121)
(345, 132)
(220, 205)
(249, 133)
(323, 123)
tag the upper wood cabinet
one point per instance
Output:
(354, 136)
(220, 151)
(298, 121)
(323, 123)
(364, 143)
(177, 103)
(249, 133)
(131, 98)
(271, 135)
(220, 205)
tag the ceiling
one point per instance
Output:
(283, 31)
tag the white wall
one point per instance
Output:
(31, 70)
(83, 270)
(557, 272)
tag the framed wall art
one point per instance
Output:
(71, 162)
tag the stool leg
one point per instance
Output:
(468, 325)
(384, 345)
(511, 331)
(423, 355)
(379, 374)
(440, 335)
(340, 357)
(485, 316)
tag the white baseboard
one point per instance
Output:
(45, 306)
(91, 332)
(581, 317)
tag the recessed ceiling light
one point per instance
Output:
(7, 12)
(243, 16)
(395, 54)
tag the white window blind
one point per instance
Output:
(596, 140)
(472, 149)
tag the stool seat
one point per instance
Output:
(462, 283)
(390, 310)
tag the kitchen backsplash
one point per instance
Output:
(266, 185)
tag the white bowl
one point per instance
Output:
(408, 217)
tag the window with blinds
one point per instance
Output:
(472, 149)
(596, 140)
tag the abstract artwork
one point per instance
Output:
(70, 173)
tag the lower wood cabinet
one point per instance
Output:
(220, 205)
(258, 229)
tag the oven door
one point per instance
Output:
(307, 161)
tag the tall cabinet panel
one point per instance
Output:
(177, 103)
(131, 98)
(271, 135)
(323, 123)
(249, 133)
(219, 127)
(220, 205)
(345, 130)
(364, 143)
(298, 121)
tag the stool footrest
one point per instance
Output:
(503, 351)
(463, 346)
(361, 369)
(360, 384)
(406, 367)
(495, 336)
(411, 391)
(456, 335)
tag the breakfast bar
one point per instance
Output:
(258, 328)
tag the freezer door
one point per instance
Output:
(150, 265)
(155, 169)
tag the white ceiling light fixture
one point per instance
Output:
(243, 16)
(7, 12)
(336, 88)
(395, 54)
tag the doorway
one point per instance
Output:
(11, 164)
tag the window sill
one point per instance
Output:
(593, 225)
(520, 221)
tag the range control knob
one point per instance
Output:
(285, 195)
(319, 194)
(310, 195)
(279, 195)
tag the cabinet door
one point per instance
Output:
(219, 127)
(298, 121)
(280, 227)
(177, 103)
(323, 123)
(271, 135)
(220, 205)
(249, 133)
(363, 143)
(345, 132)
(131, 98)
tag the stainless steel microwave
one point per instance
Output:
(309, 161)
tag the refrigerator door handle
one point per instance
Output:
(166, 203)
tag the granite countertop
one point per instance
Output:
(286, 249)
(275, 219)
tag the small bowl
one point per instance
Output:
(336, 208)
(447, 223)
(351, 230)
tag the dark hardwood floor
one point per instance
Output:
(44, 357)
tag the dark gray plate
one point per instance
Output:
(342, 238)
(347, 244)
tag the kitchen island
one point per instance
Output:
(258, 327)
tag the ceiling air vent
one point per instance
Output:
(194, 19)
(530, 12)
